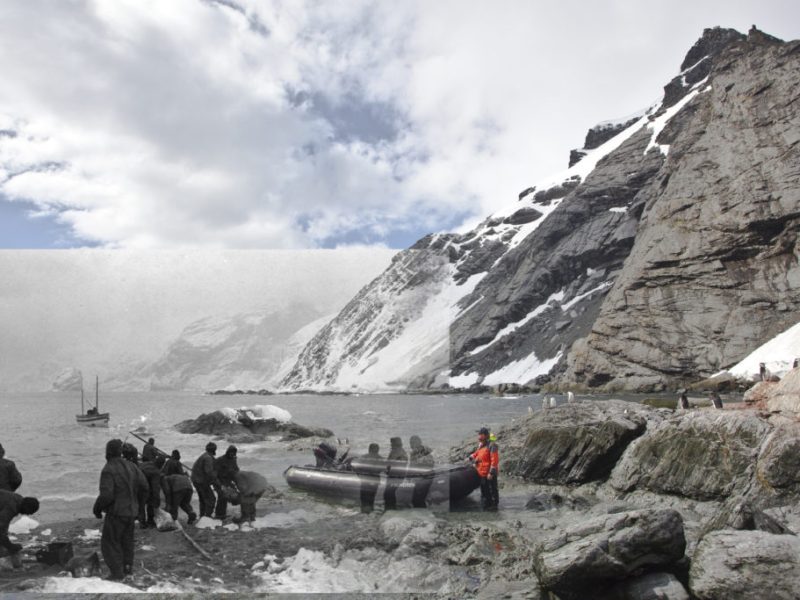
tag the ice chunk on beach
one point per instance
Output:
(23, 525)
(90, 534)
(95, 585)
(83, 585)
(206, 523)
(283, 519)
(367, 571)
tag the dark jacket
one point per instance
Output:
(203, 470)
(171, 484)
(172, 467)
(226, 467)
(10, 479)
(251, 486)
(397, 453)
(421, 455)
(153, 475)
(149, 453)
(123, 488)
(9, 508)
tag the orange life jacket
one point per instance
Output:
(487, 458)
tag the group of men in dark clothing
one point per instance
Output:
(11, 505)
(130, 490)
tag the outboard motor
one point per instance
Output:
(325, 455)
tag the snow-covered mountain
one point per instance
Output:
(250, 350)
(667, 251)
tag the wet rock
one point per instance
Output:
(704, 455)
(652, 586)
(573, 443)
(549, 501)
(221, 423)
(746, 565)
(609, 549)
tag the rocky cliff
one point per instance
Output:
(664, 254)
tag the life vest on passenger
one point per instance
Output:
(487, 458)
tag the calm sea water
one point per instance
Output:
(60, 461)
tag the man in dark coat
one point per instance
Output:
(178, 493)
(173, 465)
(251, 486)
(420, 454)
(226, 467)
(204, 475)
(123, 488)
(149, 451)
(11, 505)
(152, 472)
(10, 478)
(396, 450)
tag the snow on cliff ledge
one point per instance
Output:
(778, 354)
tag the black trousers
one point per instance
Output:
(490, 497)
(207, 499)
(116, 544)
(495, 494)
(222, 506)
(182, 499)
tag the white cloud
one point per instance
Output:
(144, 123)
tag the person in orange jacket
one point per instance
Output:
(487, 462)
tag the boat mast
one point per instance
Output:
(97, 393)
(82, 409)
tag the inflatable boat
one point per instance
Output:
(393, 484)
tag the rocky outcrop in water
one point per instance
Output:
(242, 428)
(663, 256)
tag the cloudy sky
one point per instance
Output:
(310, 123)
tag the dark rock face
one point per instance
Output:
(570, 444)
(713, 271)
(600, 134)
(575, 156)
(698, 62)
(746, 565)
(246, 429)
(580, 561)
(704, 455)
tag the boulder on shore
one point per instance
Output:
(572, 443)
(594, 555)
(746, 565)
(241, 426)
(703, 455)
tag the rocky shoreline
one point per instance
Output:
(602, 499)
